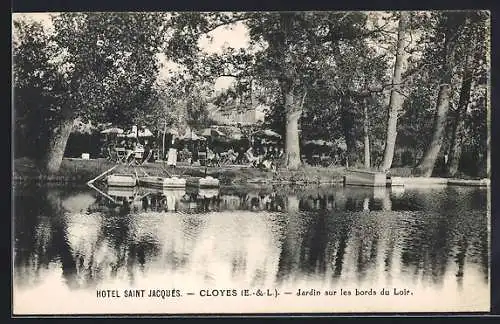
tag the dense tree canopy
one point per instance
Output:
(410, 85)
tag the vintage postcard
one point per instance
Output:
(251, 162)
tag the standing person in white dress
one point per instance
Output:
(172, 152)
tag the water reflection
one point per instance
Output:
(251, 237)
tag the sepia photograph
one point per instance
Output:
(281, 162)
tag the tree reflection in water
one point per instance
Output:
(327, 234)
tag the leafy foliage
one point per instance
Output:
(327, 66)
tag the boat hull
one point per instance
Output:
(121, 180)
(121, 192)
(161, 182)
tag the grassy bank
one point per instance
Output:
(77, 171)
(80, 171)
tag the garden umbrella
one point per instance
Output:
(211, 132)
(145, 133)
(191, 136)
(319, 142)
(267, 133)
(128, 135)
(113, 130)
(232, 133)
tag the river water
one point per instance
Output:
(314, 249)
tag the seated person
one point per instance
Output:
(138, 146)
(185, 154)
(231, 155)
(281, 153)
(211, 156)
(264, 151)
(240, 156)
(268, 160)
(252, 159)
(267, 164)
(271, 153)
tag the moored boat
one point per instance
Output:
(162, 182)
(205, 182)
(122, 180)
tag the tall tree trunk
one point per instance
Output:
(57, 145)
(366, 135)
(457, 131)
(292, 147)
(426, 165)
(488, 148)
(349, 132)
(163, 141)
(396, 101)
(451, 27)
(293, 111)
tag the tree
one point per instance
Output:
(299, 47)
(473, 48)
(287, 50)
(449, 26)
(366, 136)
(37, 87)
(103, 68)
(457, 128)
(395, 103)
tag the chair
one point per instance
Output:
(112, 155)
(147, 158)
(315, 160)
(229, 158)
(268, 164)
(223, 158)
(135, 157)
(129, 157)
(121, 154)
(325, 160)
(252, 160)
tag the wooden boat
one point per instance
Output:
(365, 178)
(122, 180)
(162, 182)
(206, 182)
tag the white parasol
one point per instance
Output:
(112, 130)
(267, 133)
(145, 133)
(211, 132)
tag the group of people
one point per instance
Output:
(213, 153)
(128, 150)
(264, 157)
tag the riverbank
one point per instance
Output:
(78, 171)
